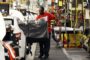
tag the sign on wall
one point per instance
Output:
(60, 3)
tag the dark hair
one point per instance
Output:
(42, 8)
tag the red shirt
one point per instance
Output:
(49, 18)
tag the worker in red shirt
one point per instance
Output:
(45, 43)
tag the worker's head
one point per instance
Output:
(41, 10)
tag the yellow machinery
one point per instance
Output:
(73, 39)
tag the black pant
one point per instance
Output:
(44, 44)
(29, 42)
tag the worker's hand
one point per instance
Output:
(18, 36)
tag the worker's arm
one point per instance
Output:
(52, 17)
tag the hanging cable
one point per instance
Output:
(83, 17)
(76, 20)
